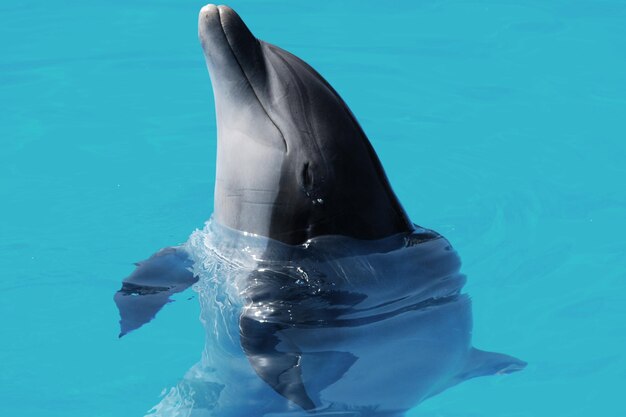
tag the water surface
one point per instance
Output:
(499, 123)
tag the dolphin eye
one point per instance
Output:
(306, 178)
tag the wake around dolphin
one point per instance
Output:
(318, 295)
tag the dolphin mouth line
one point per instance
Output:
(245, 76)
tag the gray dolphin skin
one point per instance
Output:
(320, 174)
(319, 295)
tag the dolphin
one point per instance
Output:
(297, 179)
(321, 175)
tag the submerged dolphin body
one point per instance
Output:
(337, 304)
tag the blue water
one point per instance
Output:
(500, 125)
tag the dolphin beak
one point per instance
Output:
(230, 49)
(236, 64)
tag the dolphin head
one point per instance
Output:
(292, 161)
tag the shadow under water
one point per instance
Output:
(335, 326)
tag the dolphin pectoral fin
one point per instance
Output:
(287, 374)
(481, 363)
(280, 369)
(137, 309)
(150, 286)
(322, 369)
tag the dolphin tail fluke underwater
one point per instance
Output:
(151, 285)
